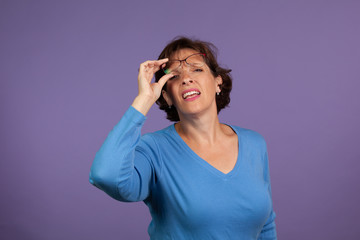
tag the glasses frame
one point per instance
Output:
(184, 60)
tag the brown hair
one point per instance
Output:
(223, 99)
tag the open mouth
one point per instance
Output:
(190, 94)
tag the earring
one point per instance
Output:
(169, 106)
(218, 92)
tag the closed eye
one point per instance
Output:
(174, 77)
(198, 70)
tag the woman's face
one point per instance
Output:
(192, 90)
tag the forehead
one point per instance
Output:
(183, 53)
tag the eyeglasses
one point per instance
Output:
(194, 60)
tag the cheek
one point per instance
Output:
(173, 85)
(170, 89)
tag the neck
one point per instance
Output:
(203, 130)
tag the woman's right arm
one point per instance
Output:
(122, 168)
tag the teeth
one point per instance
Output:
(185, 95)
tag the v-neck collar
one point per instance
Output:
(203, 162)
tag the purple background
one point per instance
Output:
(68, 73)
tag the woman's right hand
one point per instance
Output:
(149, 91)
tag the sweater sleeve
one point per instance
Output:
(268, 231)
(123, 167)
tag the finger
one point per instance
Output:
(146, 69)
(164, 79)
(144, 65)
(160, 63)
(152, 66)
(151, 63)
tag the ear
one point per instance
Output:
(218, 82)
(166, 97)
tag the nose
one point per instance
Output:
(186, 78)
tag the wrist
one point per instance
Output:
(142, 104)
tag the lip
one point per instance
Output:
(192, 98)
(190, 90)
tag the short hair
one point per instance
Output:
(210, 51)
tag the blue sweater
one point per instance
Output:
(186, 196)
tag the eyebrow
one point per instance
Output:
(186, 57)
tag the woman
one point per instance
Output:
(200, 179)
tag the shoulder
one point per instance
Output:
(157, 145)
(250, 137)
(248, 133)
(159, 137)
(163, 133)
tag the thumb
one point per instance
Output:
(164, 79)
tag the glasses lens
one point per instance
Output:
(196, 60)
(171, 66)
